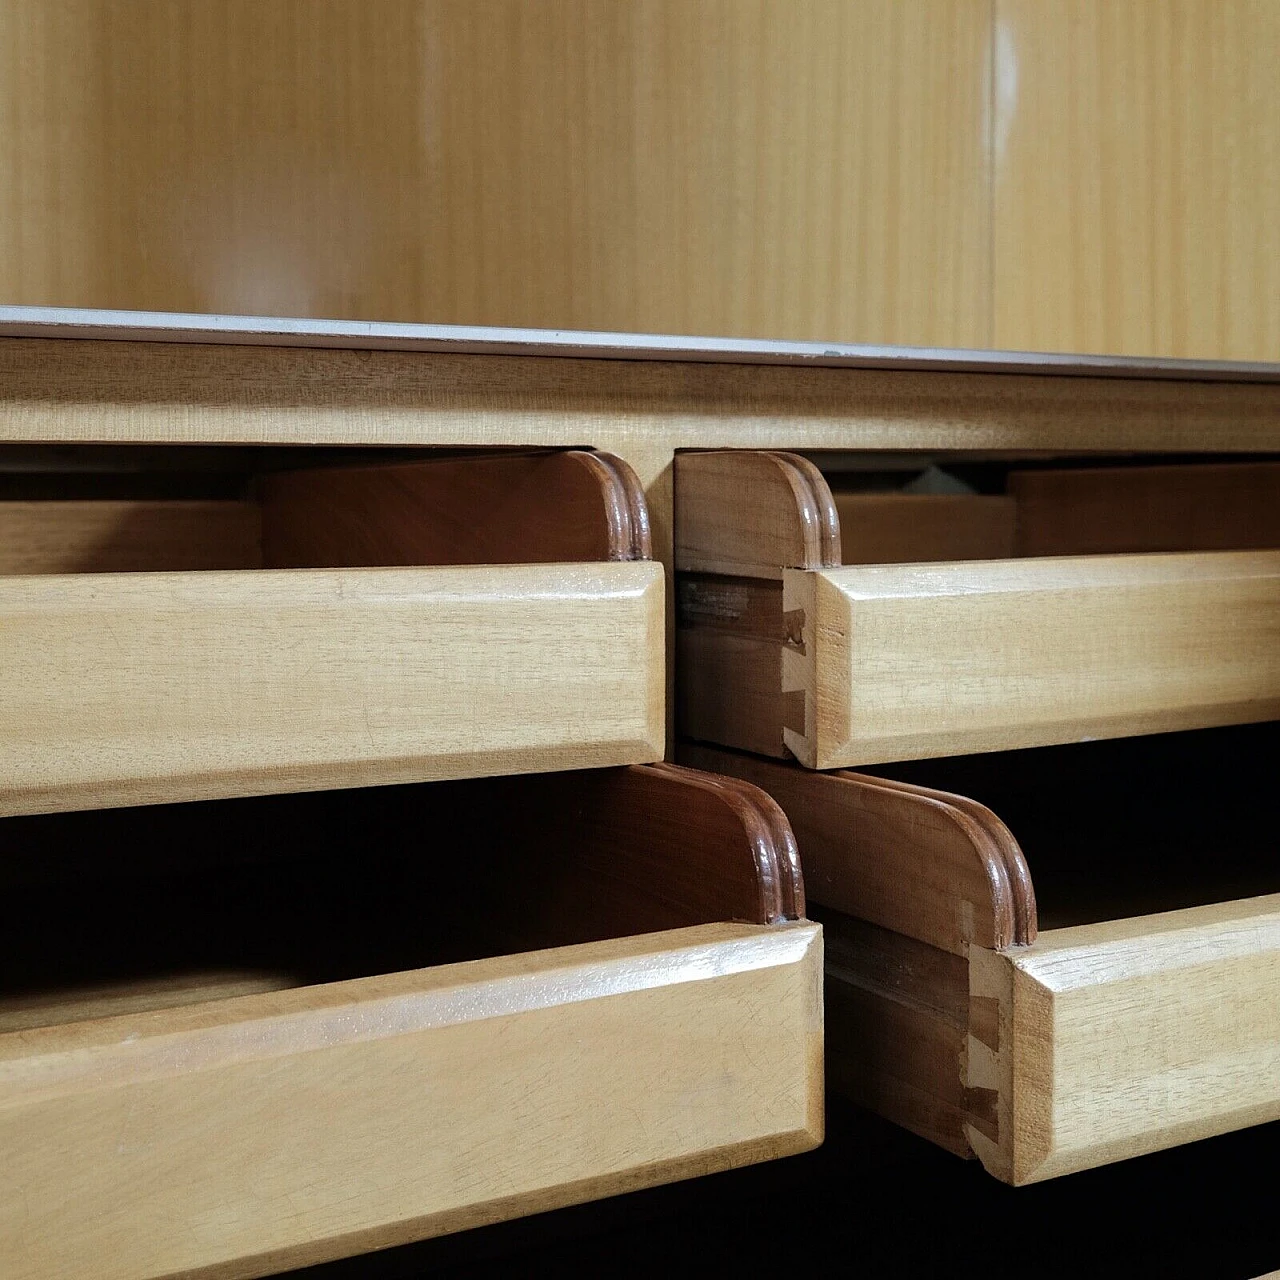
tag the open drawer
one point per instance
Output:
(256, 1071)
(344, 627)
(783, 649)
(1148, 1014)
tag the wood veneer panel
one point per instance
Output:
(923, 863)
(658, 168)
(526, 508)
(1136, 198)
(892, 528)
(1208, 507)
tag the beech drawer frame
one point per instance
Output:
(783, 651)
(1043, 1053)
(679, 1033)
(386, 651)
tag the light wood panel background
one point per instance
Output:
(1137, 197)
(1056, 174)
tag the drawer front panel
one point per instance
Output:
(1142, 1034)
(901, 662)
(282, 1129)
(133, 689)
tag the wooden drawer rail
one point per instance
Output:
(264, 1124)
(1042, 1052)
(349, 626)
(781, 649)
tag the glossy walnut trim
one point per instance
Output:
(752, 513)
(939, 868)
(502, 508)
(630, 850)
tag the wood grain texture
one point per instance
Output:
(1055, 1052)
(124, 689)
(65, 390)
(892, 528)
(753, 513)
(464, 1093)
(526, 508)
(807, 169)
(898, 1017)
(225, 891)
(1136, 198)
(329, 1120)
(60, 1006)
(786, 167)
(123, 536)
(919, 862)
(900, 662)
(608, 852)
(1210, 507)
(906, 882)
(729, 640)
(1123, 1038)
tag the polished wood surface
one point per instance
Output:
(224, 890)
(854, 664)
(752, 513)
(1209, 507)
(930, 865)
(1074, 175)
(377, 1100)
(807, 168)
(1137, 177)
(903, 661)
(607, 852)
(1065, 1048)
(503, 509)
(122, 536)
(906, 881)
(1092, 1072)
(329, 1120)
(315, 670)
(888, 528)
(214, 684)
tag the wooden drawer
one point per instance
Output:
(781, 649)
(346, 627)
(343, 1097)
(1126, 1027)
